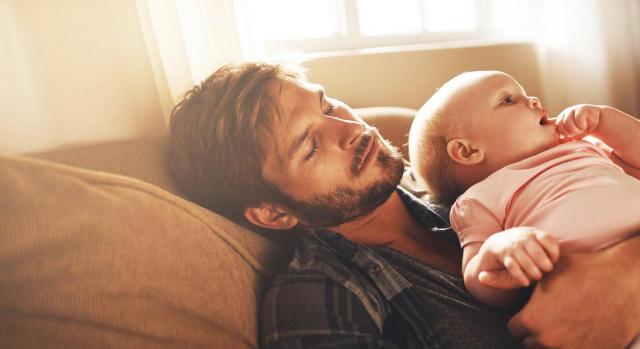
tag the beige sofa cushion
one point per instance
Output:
(144, 159)
(96, 260)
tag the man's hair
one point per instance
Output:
(430, 132)
(218, 136)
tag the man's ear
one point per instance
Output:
(463, 152)
(270, 216)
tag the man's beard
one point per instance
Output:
(345, 204)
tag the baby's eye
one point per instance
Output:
(507, 100)
(332, 107)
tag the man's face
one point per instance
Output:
(330, 165)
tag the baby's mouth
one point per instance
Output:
(544, 120)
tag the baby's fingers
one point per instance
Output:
(512, 265)
(580, 121)
(500, 279)
(573, 128)
(537, 253)
(573, 123)
(527, 264)
(561, 122)
(550, 245)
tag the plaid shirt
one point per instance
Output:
(340, 294)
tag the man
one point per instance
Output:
(374, 266)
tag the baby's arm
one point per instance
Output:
(618, 130)
(522, 253)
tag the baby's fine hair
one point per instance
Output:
(430, 131)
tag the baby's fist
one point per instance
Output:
(578, 121)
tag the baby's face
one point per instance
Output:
(497, 114)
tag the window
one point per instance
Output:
(326, 25)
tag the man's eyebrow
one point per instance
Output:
(295, 146)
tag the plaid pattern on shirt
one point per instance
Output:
(337, 293)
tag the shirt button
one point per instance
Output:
(374, 267)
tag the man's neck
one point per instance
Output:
(386, 224)
(392, 225)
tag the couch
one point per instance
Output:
(99, 249)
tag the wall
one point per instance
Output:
(409, 77)
(73, 71)
(76, 71)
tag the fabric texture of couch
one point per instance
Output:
(98, 249)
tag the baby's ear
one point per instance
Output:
(463, 152)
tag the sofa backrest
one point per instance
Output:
(146, 159)
(107, 256)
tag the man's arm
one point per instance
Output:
(590, 300)
(313, 310)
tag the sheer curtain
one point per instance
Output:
(73, 72)
(588, 52)
(188, 39)
(77, 72)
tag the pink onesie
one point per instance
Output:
(572, 191)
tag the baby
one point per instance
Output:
(480, 137)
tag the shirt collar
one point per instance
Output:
(433, 217)
(386, 278)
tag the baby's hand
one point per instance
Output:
(578, 121)
(525, 253)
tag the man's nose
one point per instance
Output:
(534, 103)
(348, 132)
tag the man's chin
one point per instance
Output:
(345, 204)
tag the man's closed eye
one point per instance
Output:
(314, 149)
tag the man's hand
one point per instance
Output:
(578, 121)
(590, 300)
(526, 254)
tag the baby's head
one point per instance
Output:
(475, 124)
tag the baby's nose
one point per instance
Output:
(534, 102)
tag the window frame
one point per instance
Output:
(348, 36)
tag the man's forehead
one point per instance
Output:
(290, 90)
(292, 96)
